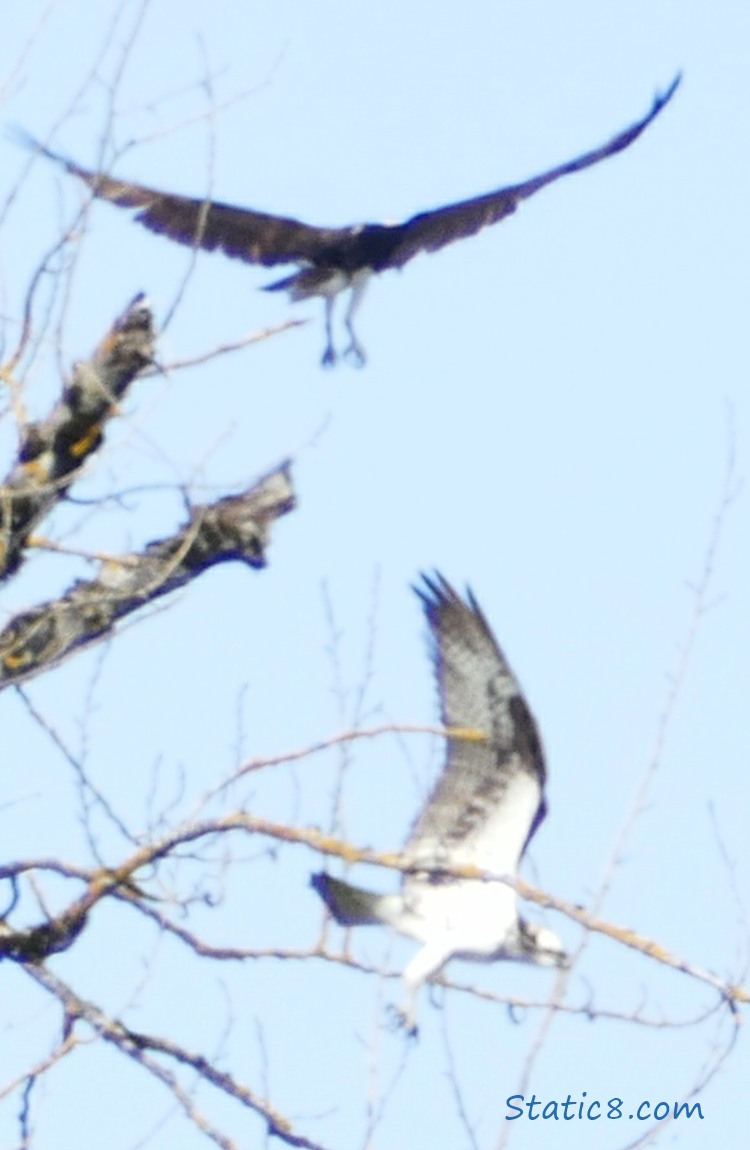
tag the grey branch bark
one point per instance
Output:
(236, 527)
(53, 450)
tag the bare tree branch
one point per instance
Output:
(234, 528)
(60, 931)
(54, 450)
(137, 1047)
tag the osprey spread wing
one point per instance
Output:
(487, 804)
(330, 260)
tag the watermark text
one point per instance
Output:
(590, 1110)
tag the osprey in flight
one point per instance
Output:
(329, 260)
(484, 810)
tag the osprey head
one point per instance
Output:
(542, 946)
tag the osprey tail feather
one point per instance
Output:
(353, 906)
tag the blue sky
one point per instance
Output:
(553, 412)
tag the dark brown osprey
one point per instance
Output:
(331, 259)
(486, 806)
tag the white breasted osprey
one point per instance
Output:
(330, 259)
(485, 808)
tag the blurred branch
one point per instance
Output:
(63, 929)
(54, 450)
(235, 528)
(259, 336)
(137, 1046)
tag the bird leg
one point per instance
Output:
(405, 1020)
(426, 963)
(355, 351)
(329, 355)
